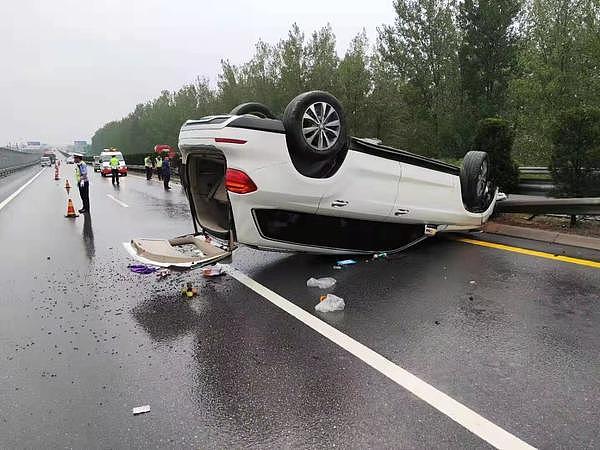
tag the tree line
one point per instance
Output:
(430, 78)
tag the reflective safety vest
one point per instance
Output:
(114, 162)
(147, 162)
(81, 172)
(159, 162)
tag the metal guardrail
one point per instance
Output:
(530, 170)
(8, 170)
(570, 206)
(141, 168)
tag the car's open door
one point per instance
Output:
(185, 252)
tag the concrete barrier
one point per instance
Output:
(11, 160)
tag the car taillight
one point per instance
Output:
(230, 141)
(238, 182)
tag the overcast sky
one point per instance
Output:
(68, 67)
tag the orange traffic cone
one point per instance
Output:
(56, 177)
(67, 185)
(71, 209)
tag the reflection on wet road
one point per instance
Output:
(84, 340)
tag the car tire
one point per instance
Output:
(315, 126)
(477, 188)
(253, 108)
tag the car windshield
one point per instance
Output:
(107, 158)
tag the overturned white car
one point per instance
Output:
(301, 184)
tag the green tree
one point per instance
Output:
(421, 48)
(576, 152)
(488, 54)
(355, 84)
(495, 136)
(322, 61)
(559, 64)
(292, 64)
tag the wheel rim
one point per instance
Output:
(321, 126)
(482, 179)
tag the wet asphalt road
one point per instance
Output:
(83, 340)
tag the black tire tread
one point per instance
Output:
(254, 108)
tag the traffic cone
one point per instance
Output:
(67, 185)
(56, 177)
(71, 209)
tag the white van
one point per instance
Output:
(105, 158)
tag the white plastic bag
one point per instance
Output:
(330, 304)
(322, 283)
(213, 271)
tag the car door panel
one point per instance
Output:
(365, 187)
(424, 195)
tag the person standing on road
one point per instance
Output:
(81, 176)
(114, 169)
(166, 172)
(159, 162)
(148, 166)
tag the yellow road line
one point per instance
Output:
(524, 251)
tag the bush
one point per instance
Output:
(576, 152)
(495, 136)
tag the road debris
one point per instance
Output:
(189, 291)
(346, 262)
(321, 283)
(337, 267)
(142, 269)
(330, 303)
(162, 274)
(380, 255)
(472, 282)
(140, 410)
(213, 271)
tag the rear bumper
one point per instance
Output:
(105, 171)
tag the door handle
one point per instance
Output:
(339, 203)
(401, 212)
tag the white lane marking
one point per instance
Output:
(458, 412)
(124, 205)
(18, 191)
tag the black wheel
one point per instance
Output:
(315, 126)
(476, 186)
(254, 108)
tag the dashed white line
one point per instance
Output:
(18, 191)
(456, 411)
(124, 205)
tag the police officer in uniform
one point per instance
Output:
(114, 169)
(81, 176)
(148, 166)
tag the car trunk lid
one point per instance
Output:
(203, 177)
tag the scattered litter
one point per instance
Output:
(321, 283)
(162, 274)
(337, 267)
(140, 410)
(142, 268)
(330, 303)
(437, 322)
(346, 262)
(189, 291)
(213, 271)
(472, 282)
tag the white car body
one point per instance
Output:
(104, 163)
(377, 193)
